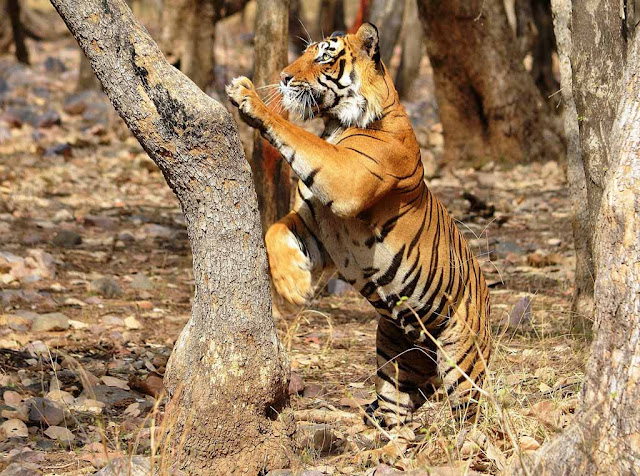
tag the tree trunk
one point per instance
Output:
(227, 374)
(387, 16)
(13, 12)
(270, 173)
(188, 34)
(605, 435)
(412, 49)
(489, 105)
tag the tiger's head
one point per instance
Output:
(341, 76)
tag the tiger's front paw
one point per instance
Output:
(243, 95)
(290, 267)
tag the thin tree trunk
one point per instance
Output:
(489, 105)
(387, 16)
(13, 12)
(582, 306)
(227, 374)
(605, 435)
(270, 173)
(412, 49)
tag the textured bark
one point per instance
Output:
(582, 306)
(188, 36)
(412, 49)
(227, 374)
(13, 12)
(387, 16)
(605, 435)
(489, 105)
(270, 172)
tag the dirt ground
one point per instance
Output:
(96, 283)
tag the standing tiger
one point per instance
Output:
(362, 205)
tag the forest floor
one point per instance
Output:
(96, 284)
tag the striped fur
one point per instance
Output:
(362, 206)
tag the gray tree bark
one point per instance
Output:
(13, 12)
(227, 374)
(489, 105)
(270, 172)
(605, 435)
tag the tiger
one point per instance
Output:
(362, 206)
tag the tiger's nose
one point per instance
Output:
(286, 78)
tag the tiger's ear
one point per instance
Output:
(369, 39)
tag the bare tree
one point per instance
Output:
(270, 173)
(189, 31)
(601, 84)
(227, 374)
(489, 105)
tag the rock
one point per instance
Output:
(152, 385)
(62, 148)
(19, 411)
(126, 466)
(99, 221)
(77, 325)
(88, 405)
(61, 397)
(63, 215)
(313, 390)
(60, 434)
(110, 396)
(325, 441)
(280, 472)
(12, 398)
(67, 239)
(385, 470)
(54, 65)
(115, 382)
(157, 231)
(16, 116)
(37, 348)
(132, 323)
(296, 385)
(14, 428)
(520, 314)
(76, 103)
(19, 323)
(106, 287)
(21, 469)
(53, 321)
(554, 241)
(528, 444)
(141, 282)
(503, 248)
(43, 410)
(25, 455)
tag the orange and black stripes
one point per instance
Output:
(363, 206)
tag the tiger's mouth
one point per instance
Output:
(301, 98)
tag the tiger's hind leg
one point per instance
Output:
(294, 252)
(467, 351)
(405, 377)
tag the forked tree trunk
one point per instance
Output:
(270, 173)
(489, 105)
(227, 374)
(605, 435)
